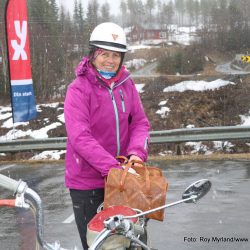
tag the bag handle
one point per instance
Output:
(122, 159)
(129, 165)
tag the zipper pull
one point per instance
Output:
(123, 103)
(121, 94)
(112, 94)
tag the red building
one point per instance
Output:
(139, 33)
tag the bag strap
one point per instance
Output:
(129, 165)
(124, 174)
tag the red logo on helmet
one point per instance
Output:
(114, 36)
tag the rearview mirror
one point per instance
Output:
(197, 189)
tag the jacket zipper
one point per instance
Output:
(116, 112)
(123, 103)
(116, 121)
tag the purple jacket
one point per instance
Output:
(101, 123)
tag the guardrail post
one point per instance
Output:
(13, 156)
(178, 149)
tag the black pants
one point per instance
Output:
(85, 204)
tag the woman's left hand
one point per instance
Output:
(135, 158)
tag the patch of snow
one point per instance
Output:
(140, 87)
(245, 120)
(132, 48)
(166, 152)
(135, 63)
(49, 155)
(51, 105)
(39, 134)
(223, 146)
(198, 147)
(162, 103)
(61, 118)
(190, 126)
(197, 85)
(163, 112)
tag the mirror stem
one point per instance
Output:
(193, 198)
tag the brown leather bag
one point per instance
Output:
(144, 191)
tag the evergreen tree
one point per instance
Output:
(159, 12)
(82, 29)
(196, 12)
(46, 53)
(124, 14)
(190, 7)
(105, 13)
(131, 4)
(180, 8)
(150, 5)
(140, 13)
(92, 15)
(75, 13)
(235, 36)
(168, 9)
(206, 7)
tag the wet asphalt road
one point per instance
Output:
(221, 220)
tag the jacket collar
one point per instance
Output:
(85, 68)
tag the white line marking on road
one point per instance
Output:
(70, 219)
(6, 167)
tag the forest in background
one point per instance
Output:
(58, 39)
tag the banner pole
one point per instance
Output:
(8, 57)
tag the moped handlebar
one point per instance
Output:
(123, 223)
(191, 194)
(33, 200)
(12, 185)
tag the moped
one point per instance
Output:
(114, 228)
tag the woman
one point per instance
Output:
(104, 118)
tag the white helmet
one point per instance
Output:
(109, 36)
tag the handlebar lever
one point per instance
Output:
(20, 201)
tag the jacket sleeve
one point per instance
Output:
(77, 122)
(138, 128)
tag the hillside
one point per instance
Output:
(225, 106)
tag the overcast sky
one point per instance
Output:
(114, 4)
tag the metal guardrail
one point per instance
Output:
(157, 137)
(57, 143)
(201, 134)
